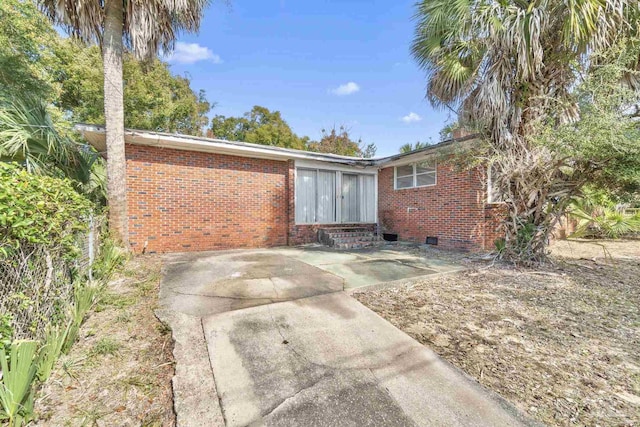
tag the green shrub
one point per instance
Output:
(6, 331)
(110, 258)
(602, 221)
(85, 297)
(39, 210)
(55, 337)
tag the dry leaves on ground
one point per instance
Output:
(562, 343)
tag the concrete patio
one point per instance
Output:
(204, 283)
(272, 337)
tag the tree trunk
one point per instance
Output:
(112, 51)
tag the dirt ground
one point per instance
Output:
(561, 342)
(119, 372)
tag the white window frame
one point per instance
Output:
(306, 165)
(415, 175)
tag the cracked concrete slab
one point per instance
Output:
(327, 360)
(269, 337)
(193, 377)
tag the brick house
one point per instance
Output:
(193, 194)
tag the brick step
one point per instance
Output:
(355, 239)
(327, 235)
(359, 245)
(358, 234)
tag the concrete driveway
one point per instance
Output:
(272, 337)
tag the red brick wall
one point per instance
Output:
(452, 210)
(191, 201)
(494, 214)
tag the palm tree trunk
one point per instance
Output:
(114, 120)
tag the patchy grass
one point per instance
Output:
(119, 372)
(105, 346)
(561, 342)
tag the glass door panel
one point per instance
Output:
(350, 196)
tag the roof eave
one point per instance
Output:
(96, 136)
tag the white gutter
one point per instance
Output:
(95, 135)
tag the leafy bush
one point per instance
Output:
(600, 217)
(39, 210)
(44, 292)
(6, 331)
(605, 223)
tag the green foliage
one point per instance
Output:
(28, 136)
(262, 126)
(95, 189)
(55, 337)
(106, 346)
(447, 131)
(18, 373)
(154, 98)
(85, 297)
(29, 52)
(545, 84)
(36, 62)
(408, 147)
(598, 216)
(39, 210)
(6, 331)
(338, 141)
(602, 148)
(258, 126)
(111, 258)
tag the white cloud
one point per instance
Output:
(411, 117)
(345, 89)
(189, 53)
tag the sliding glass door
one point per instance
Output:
(350, 199)
(326, 197)
(334, 197)
(367, 198)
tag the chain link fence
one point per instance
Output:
(37, 282)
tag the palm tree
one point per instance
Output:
(505, 63)
(507, 66)
(408, 147)
(143, 27)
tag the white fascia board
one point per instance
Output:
(95, 135)
(327, 165)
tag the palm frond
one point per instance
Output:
(29, 136)
(148, 25)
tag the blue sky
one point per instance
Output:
(320, 63)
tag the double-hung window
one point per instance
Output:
(420, 174)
